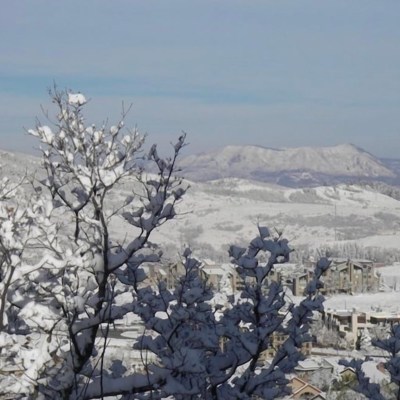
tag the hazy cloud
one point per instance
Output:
(270, 73)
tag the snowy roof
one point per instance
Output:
(308, 365)
(337, 260)
(329, 363)
(373, 373)
(347, 369)
(208, 261)
(305, 384)
(312, 364)
(340, 313)
(385, 315)
(214, 270)
(388, 301)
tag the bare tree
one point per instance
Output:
(203, 344)
(19, 228)
(84, 164)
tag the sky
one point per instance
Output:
(271, 73)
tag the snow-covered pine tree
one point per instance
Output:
(391, 349)
(212, 348)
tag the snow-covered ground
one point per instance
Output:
(366, 302)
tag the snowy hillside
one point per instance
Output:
(288, 166)
(217, 213)
(221, 212)
(15, 165)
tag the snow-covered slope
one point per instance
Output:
(217, 213)
(14, 165)
(311, 165)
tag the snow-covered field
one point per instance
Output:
(366, 302)
(222, 212)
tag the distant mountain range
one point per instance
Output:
(290, 167)
(294, 167)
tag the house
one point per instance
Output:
(348, 375)
(351, 323)
(383, 318)
(219, 277)
(306, 368)
(304, 390)
(346, 322)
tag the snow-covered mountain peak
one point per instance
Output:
(261, 163)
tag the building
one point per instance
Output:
(351, 323)
(343, 276)
(219, 277)
(304, 390)
(300, 282)
(305, 369)
(350, 276)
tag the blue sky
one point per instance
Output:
(272, 73)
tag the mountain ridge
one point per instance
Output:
(288, 166)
